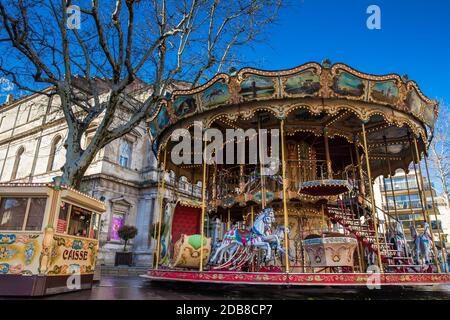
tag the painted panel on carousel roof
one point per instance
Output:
(385, 91)
(309, 80)
(183, 105)
(348, 85)
(429, 115)
(254, 87)
(414, 102)
(153, 129)
(160, 122)
(303, 83)
(162, 118)
(218, 93)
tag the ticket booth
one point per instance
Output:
(48, 239)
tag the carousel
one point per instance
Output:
(308, 216)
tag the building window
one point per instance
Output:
(125, 153)
(116, 223)
(403, 202)
(19, 154)
(53, 149)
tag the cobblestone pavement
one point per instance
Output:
(136, 288)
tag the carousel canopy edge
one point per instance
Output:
(310, 80)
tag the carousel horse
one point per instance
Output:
(259, 236)
(220, 252)
(398, 239)
(422, 242)
(370, 255)
(276, 244)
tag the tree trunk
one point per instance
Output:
(73, 175)
(77, 160)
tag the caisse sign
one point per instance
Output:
(73, 255)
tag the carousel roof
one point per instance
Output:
(328, 89)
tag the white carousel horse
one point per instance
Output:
(259, 237)
(225, 249)
(422, 242)
(279, 234)
(397, 237)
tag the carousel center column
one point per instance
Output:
(327, 154)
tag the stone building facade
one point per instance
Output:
(123, 174)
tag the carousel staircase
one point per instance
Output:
(349, 217)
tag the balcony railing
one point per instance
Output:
(184, 186)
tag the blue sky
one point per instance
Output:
(414, 39)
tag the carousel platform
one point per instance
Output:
(299, 279)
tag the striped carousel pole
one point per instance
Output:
(202, 228)
(388, 160)
(252, 217)
(261, 175)
(372, 199)
(161, 207)
(360, 250)
(285, 210)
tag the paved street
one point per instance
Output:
(136, 288)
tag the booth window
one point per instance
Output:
(14, 211)
(36, 214)
(80, 222)
(95, 226)
(61, 225)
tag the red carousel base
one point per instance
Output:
(300, 279)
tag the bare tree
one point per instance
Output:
(440, 149)
(94, 69)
